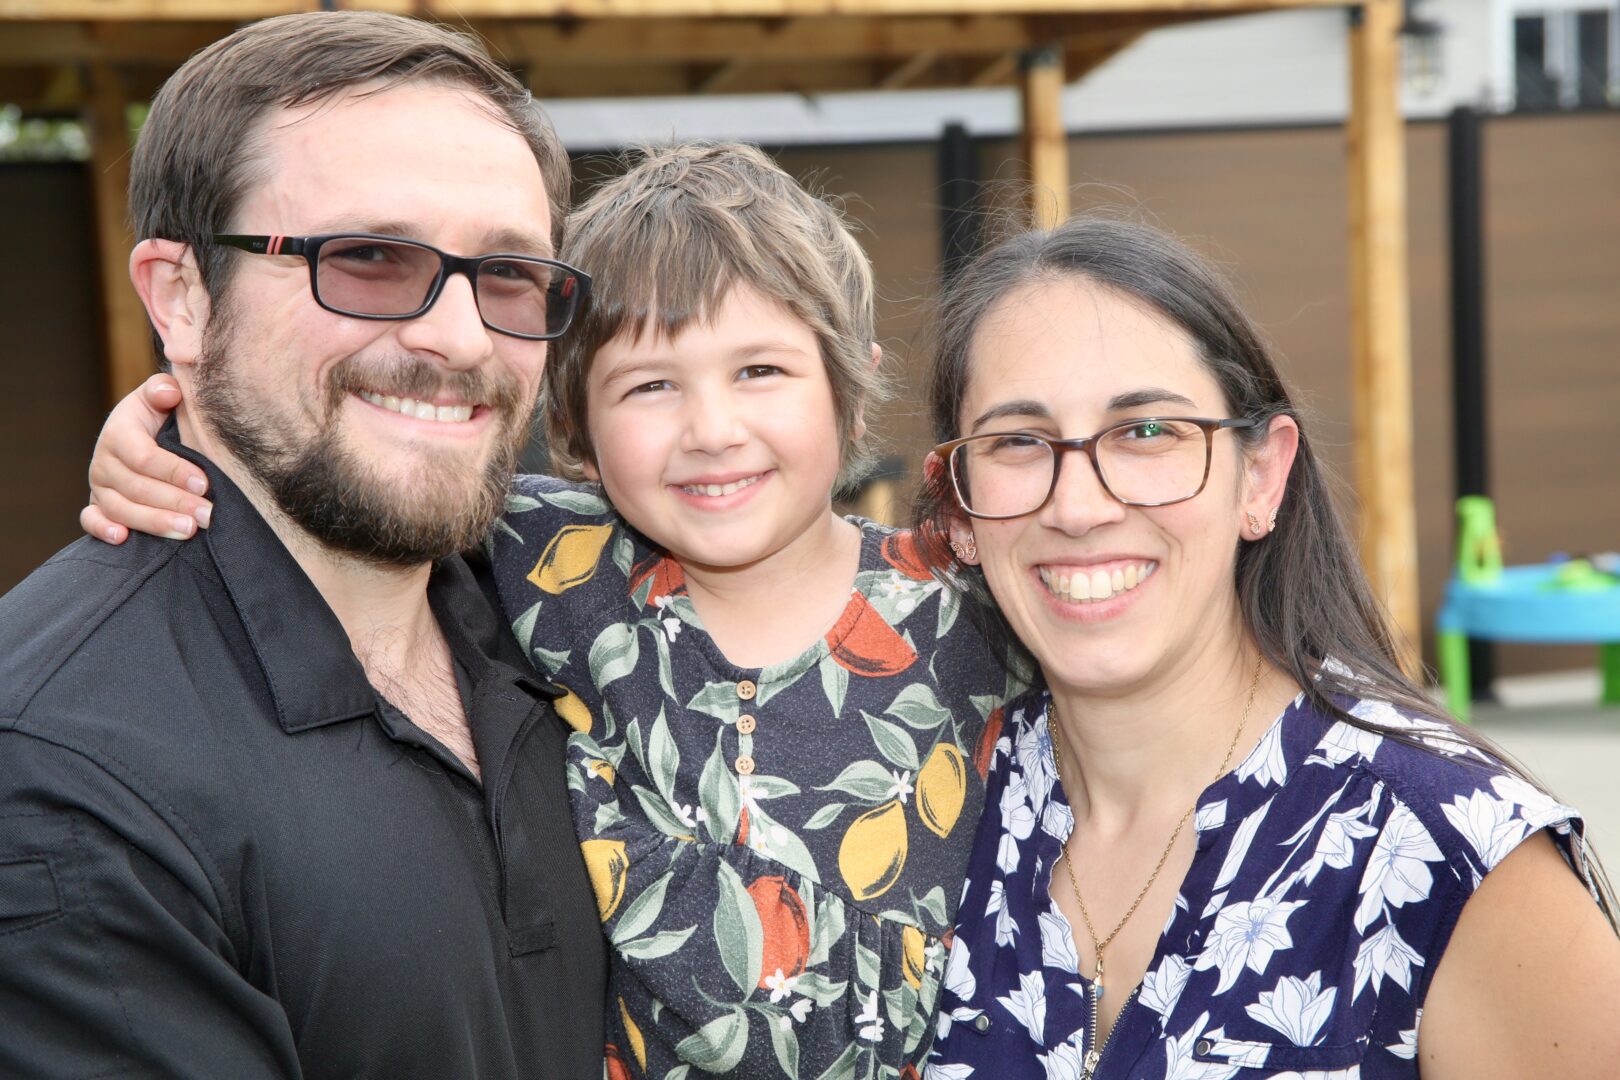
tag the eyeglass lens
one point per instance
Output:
(384, 277)
(1154, 461)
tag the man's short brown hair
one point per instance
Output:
(668, 240)
(198, 152)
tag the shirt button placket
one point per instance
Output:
(746, 691)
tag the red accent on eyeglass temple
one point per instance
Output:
(274, 247)
(568, 288)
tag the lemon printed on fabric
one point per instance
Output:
(776, 852)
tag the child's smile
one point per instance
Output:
(723, 444)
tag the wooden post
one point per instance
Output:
(1045, 143)
(128, 335)
(1380, 319)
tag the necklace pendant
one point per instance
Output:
(1097, 979)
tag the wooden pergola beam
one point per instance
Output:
(1045, 141)
(128, 342)
(1380, 319)
(459, 11)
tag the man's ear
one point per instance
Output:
(168, 282)
(860, 410)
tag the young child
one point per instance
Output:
(782, 719)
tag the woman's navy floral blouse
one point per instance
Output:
(1330, 869)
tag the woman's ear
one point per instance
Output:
(1266, 477)
(167, 279)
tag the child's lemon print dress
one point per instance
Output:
(776, 852)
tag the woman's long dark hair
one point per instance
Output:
(1301, 590)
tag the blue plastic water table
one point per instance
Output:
(1561, 603)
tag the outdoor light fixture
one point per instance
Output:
(1421, 59)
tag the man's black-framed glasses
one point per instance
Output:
(368, 276)
(1147, 461)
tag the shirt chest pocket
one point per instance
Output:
(1257, 1058)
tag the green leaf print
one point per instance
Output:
(663, 759)
(502, 526)
(607, 815)
(761, 786)
(786, 1045)
(771, 839)
(825, 816)
(828, 930)
(660, 813)
(844, 1067)
(658, 945)
(523, 626)
(642, 912)
(614, 654)
(818, 988)
(624, 554)
(520, 504)
(950, 604)
(666, 680)
(578, 502)
(892, 741)
(866, 780)
(548, 660)
(717, 790)
(834, 683)
(737, 931)
(717, 699)
(717, 1046)
(916, 706)
(934, 905)
(867, 968)
(679, 1072)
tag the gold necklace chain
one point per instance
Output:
(1068, 863)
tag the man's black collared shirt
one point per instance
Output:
(224, 855)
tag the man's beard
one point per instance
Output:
(328, 490)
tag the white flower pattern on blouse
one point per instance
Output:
(1329, 869)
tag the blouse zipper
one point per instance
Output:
(1095, 1054)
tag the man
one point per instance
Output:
(285, 801)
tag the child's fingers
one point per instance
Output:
(135, 489)
(161, 394)
(96, 524)
(123, 452)
(116, 510)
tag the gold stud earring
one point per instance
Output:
(1254, 523)
(965, 552)
(1271, 524)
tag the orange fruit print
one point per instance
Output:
(987, 743)
(864, 643)
(667, 578)
(616, 1067)
(900, 551)
(786, 924)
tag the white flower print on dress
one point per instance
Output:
(1407, 1047)
(959, 971)
(1336, 846)
(1035, 762)
(1017, 822)
(1344, 742)
(1246, 935)
(1027, 1004)
(1488, 824)
(1057, 943)
(1295, 1007)
(948, 1072)
(1265, 764)
(1066, 1061)
(1385, 955)
(1161, 987)
(1398, 872)
(1006, 928)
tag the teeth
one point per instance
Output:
(421, 410)
(1097, 585)
(713, 490)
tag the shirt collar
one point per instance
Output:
(308, 663)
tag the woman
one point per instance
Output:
(1231, 839)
